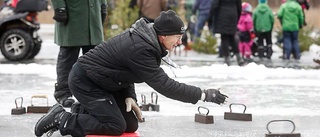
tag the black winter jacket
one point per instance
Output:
(134, 56)
(225, 15)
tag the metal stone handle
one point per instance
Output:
(143, 99)
(15, 101)
(40, 96)
(245, 107)
(203, 108)
(294, 126)
(152, 97)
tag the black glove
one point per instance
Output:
(60, 15)
(104, 12)
(213, 95)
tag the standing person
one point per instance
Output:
(201, 9)
(79, 25)
(263, 21)
(103, 80)
(150, 9)
(291, 18)
(224, 15)
(305, 6)
(245, 28)
(190, 21)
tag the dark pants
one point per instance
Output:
(264, 50)
(106, 112)
(226, 41)
(66, 58)
(264, 37)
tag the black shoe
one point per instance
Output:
(49, 122)
(66, 102)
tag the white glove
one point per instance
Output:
(193, 18)
(132, 105)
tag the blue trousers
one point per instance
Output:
(291, 44)
(201, 20)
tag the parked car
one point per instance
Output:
(19, 39)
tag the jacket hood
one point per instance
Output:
(262, 8)
(291, 6)
(263, 1)
(146, 31)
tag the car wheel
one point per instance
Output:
(16, 44)
(36, 49)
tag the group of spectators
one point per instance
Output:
(238, 24)
(102, 79)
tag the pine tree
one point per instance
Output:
(120, 18)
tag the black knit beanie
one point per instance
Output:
(168, 23)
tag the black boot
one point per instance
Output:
(240, 60)
(50, 122)
(63, 96)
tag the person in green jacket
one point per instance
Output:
(291, 18)
(79, 25)
(263, 21)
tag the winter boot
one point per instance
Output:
(240, 60)
(63, 96)
(227, 60)
(269, 51)
(50, 122)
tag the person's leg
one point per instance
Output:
(247, 49)
(104, 116)
(233, 42)
(66, 58)
(295, 45)
(304, 18)
(260, 45)
(287, 44)
(191, 28)
(225, 48)
(235, 49)
(130, 118)
(242, 48)
(202, 18)
(269, 44)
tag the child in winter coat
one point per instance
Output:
(245, 28)
(291, 18)
(263, 21)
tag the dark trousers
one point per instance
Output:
(264, 37)
(226, 41)
(264, 50)
(66, 58)
(106, 112)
